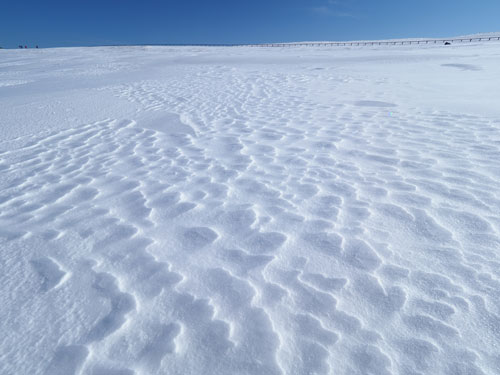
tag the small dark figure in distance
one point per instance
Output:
(20, 46)
(447, 44)
(25, 46)
(36, 46)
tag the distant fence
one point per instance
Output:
(378, 43)
(342, 44)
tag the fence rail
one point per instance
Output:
(378, 43)
(342, 44)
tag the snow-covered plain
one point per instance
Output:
(250, 210)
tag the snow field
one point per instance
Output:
(250, 211)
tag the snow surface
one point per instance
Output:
(247, 210)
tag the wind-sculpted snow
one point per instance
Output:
(278, 212)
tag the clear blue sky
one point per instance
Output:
(91, 22)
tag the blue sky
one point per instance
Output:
(90, 22)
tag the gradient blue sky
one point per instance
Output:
(91, 22)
